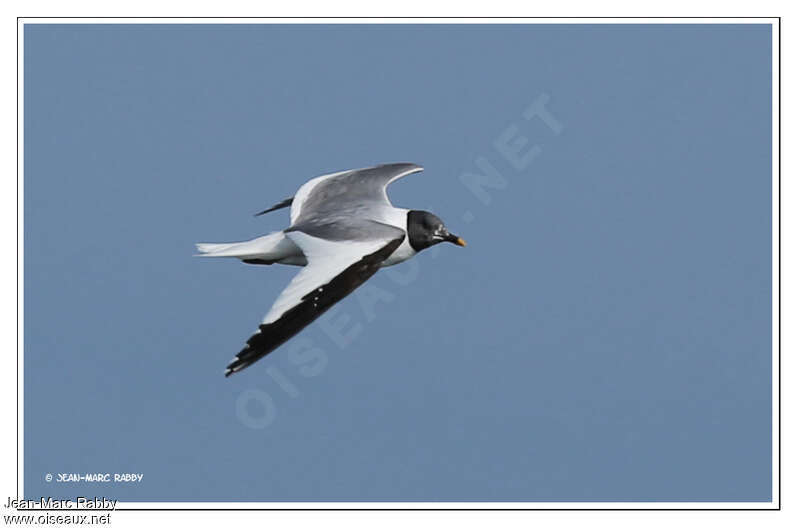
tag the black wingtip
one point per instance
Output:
(234, 366)
(283, 204)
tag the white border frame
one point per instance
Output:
(772, 505)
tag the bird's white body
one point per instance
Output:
(403, 253)
(278, 248)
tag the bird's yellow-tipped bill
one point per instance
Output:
(460, 242)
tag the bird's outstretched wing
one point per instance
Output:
(335, 269)
(347, 191)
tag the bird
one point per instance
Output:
(342, 230)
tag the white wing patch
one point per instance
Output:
(326, 260)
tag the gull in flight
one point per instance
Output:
(343, 229)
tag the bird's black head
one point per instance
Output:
(425, 230)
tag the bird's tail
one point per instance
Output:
(273, 246)
(213, 249)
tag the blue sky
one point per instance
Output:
(604, 337)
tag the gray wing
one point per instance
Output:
(347, 193)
